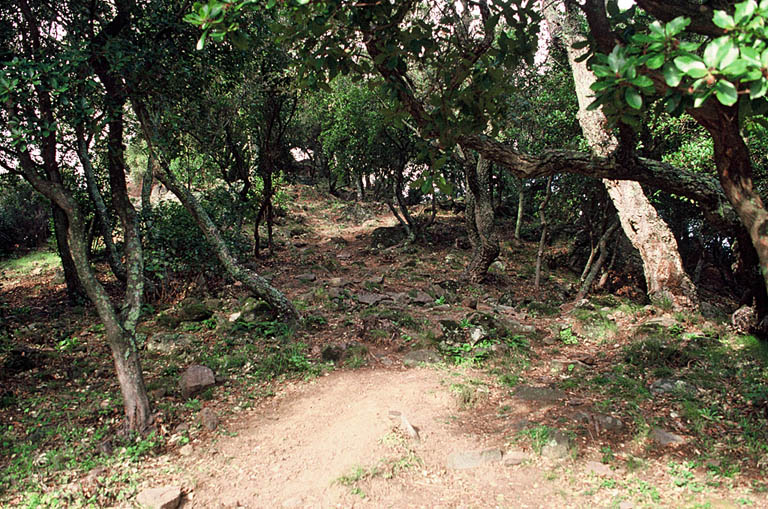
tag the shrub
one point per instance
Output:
(23, 215)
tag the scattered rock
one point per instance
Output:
(186, 450)
(497, 267)
(208, 419)
(744, 319)
(426, 356)
(93, 475)
(106, 448)
(167, 497)
(181, 428)
(469, 303)
(337, 282)
(599, 421)
(477, 334)
(192, 309)
(375, 280)
(234, 316)
(387, 236)
(371, 299)
(502, 325)
(473, 459)
(546, 394)
(158, 393)
(558, 446)
(168, 342)
(306, 278)
(671, 386)
(422, 298)
(405, 425)
(598, 469)
(665, 437)
(195, 379)
(512, 458)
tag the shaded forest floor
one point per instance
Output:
(404, 388)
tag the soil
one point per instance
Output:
(338, 440)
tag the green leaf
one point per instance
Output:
(633, 98)
(642, 81)
(655, 61)
(723, 20)
(757, 89)
(676, 26)
(726, 93)
(672, 75)
(737, 68)
(744, 11)
(691, 65)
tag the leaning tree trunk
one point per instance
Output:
(75, 290)
(592, 274)
(479, 216)
(520, 207)
(257, 284)
(649, 234)
(102, 215)
(734, 167)
(544, 232)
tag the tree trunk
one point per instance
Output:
(75, 291)
(520, 207)
(146, 188)
(603, 247)
(734, 167)
(544, 232)
(257, 284)
(648, 233)
(102, 215)
(479, 216)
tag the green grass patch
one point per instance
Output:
(24, 265)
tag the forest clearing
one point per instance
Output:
(411, 253)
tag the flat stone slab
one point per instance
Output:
(417, 357)
(371, 299)
(530, 393)
(464, 460)
(166, 497)
(665, 437)
(512, 458)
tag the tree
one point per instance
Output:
(38, 71)
(711, 64)
(665, 277)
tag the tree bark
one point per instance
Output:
(603, 247)
(520, 207)
(102, 215)
(479, 216)
(257, 284)
(75, 290)
(648, 233)
(544, 232)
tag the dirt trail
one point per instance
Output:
(296, 453)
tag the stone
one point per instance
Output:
(195, 379)
(497, 267)
(426, 356)
(422, 298)
(405, 424)
(670, 386)
(371, 299)
(332, 353)
(94, 475)
(598, 469)
(192, 309)
(665, 437)
(744, 319)
(337, 282)
(208, 419)
(306, 278)
(502, 325)
(235, 316)
(464, 460)
(512, 458)
(387, 236)
(168, 342)
(166, 497)
(546, 394)
(599, 421)
(477, 334)
(375, 280)
(293, 502)
(469, 303)
(186, 450)
(558, 446)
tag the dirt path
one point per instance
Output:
(334, 444)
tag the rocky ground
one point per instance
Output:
(404, 388)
